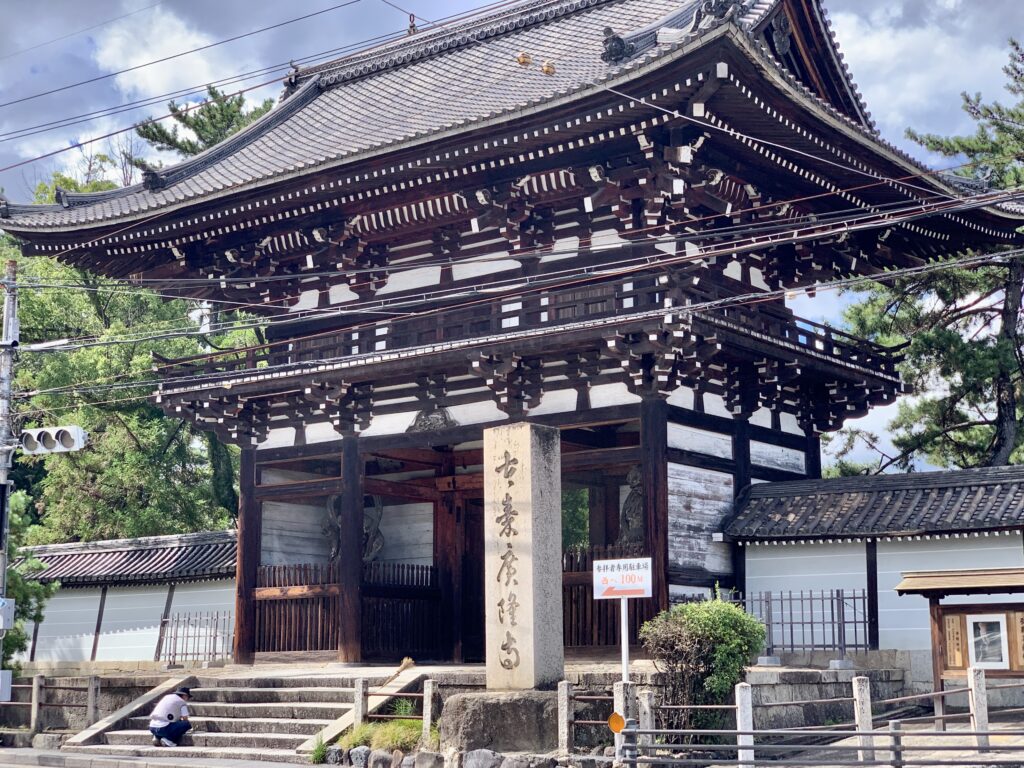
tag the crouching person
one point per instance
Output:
(169, 720)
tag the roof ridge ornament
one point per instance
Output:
(616, 47)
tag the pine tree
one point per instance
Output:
(961, 329)
(220, 117)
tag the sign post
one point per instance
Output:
(621, 580)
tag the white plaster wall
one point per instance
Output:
(698, 501)
(777, 457)
(903, 621)
(293, 532)
(408, 531)
(805, 567)
(69, 623)
(204, 597)
(131, 623)
(699, 441)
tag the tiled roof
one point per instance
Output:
(150, 560)
(970, 500)
(432, 83)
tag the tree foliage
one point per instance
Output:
(960, 329)
(29, 596)
(217, 119)
(143, 473)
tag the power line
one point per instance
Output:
(725, 248)
(687, 310)
(386, 307)
(908, 211)
(206, 47)
(362, 46)
(79, 32)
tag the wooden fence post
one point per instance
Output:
(623, 702)
(744, 722)
(862, 716)
(977, 696)
(645, 712)
(896, 737)
(566, 717)
(360, 701)
(428, 711)
(92, 700)
(38, 682)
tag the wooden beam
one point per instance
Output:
(247, 562)
(871, 561)
(398, 490)
(297, 592)
(164, 618)
(350, 638)
(741, 456)
(99, 624)
(654, 461)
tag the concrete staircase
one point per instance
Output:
(256, 719)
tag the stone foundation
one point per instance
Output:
(501, 721)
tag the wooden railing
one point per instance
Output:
(297, 609)
(401, 603)
(618, 299)
(590, 622)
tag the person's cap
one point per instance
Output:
(183, 692)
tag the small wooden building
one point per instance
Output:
(126, 600)
(860, 534)
(584, 213)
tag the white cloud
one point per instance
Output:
(913, 75)
(135, 41)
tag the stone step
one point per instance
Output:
(192, 753)
(242, 695)
(286, 710)
(278, 682)
(307, 727)
(218, 740)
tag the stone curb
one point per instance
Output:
(35, 757)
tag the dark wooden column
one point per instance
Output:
(350, 636)
(741, 456)
(740, 480)
(449, 546)
(812, 459)
(247, 562)
(654, 459)
(871, 563)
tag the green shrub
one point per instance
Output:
(702, 648)
(397, 734)
(319, 754)
(360, 736)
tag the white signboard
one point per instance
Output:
(622, 579)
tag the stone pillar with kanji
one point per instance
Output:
(523, 556)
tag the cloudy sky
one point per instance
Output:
(911, 60)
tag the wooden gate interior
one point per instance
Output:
(298, 610)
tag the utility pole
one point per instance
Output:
(8, 444)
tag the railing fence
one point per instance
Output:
(197, 637)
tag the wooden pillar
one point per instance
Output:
(449, 547)
(741, 456)
(350, 636)
(812, 455)
(247, 562)
(740, 481)
(654, 459)
(871, 569)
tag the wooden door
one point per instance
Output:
(473, 584)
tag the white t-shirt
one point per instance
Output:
(171, 707)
